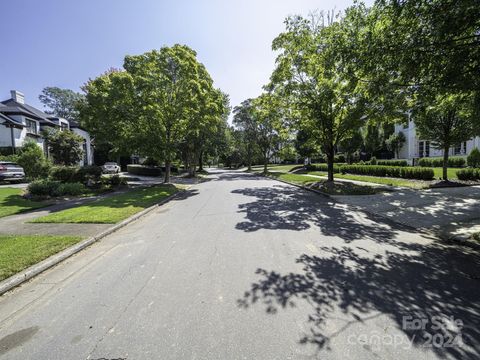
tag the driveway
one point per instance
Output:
(243, 267)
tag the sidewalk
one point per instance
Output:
(18, 224)
(445, 211)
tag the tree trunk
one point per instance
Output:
(249, 158)
(265, 164)
(200, 161)
(445, 163)
(167, 171)
(330, 158)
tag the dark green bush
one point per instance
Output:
(455, 162)
(389, 171)
(468, 174)
(74, 189)
(373, 160)
(55, 188)
(144, 170)
(392, 162)
(64, 174)
(33, 161)
(473, 159)
(43, 187)
(89, 172)
(322, 167)
(114, 181)
(149, 161)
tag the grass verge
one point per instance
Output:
(112, 209)
(414, 184)
(12, 202)
(19, 252)
(337, 188)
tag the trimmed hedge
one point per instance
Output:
(55, 188)
(454, 162)
(392, 162)
(389, 171)
(468, 174)
(73, 174)
(473, 159)
(322, 167)
(144, 170)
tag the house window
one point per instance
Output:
(31, 126)
(424, 149)
(460, 149)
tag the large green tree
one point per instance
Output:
(244, 120)
(61, 102)
(313, 77)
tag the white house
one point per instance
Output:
(20, 121)
(415, 148)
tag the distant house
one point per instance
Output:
(20, 122)
(415, 147)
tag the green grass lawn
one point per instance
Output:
(112, 209)
(12, 202)
(378, 180)
(275, 167)
(19, 252)
(451, 173)
(338, 188)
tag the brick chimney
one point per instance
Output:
(18, 96)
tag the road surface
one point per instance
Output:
(242, 267)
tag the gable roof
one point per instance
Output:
(12, 107)
(10, 121)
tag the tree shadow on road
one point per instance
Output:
(284, 207)
(423, 280)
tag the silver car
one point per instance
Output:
(9, 171)
(110, 168)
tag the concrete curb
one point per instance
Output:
(34, 270)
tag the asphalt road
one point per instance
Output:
(242, 267)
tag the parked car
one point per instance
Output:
(10, 171)
(110, 168)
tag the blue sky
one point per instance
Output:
(65, 42)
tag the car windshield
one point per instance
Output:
(110, 163)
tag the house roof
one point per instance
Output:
(13, 107)
(10, 120)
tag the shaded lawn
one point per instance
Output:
(451, 172)
(378, 180)
(275, 167)
(338, 188)
(19, 252)
(12, 202)
(112, 209)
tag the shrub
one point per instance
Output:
(473, 159)
(340, 158)
(86, 173)
(74, 189)
(455, 162)
(468, 174)
(114, 181)
(33, 161)
(43, 187)
(322, 167)
(418, 173)
(373, 160)
(392, 162)
(64, 174)
(55, 188)
(144, 170)
(149, 161)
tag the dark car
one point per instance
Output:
(10, 171)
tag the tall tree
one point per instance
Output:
(61, 102)
(243, 119)
(313, 77)
(65, 146)
(445, 120)
(268, 125)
